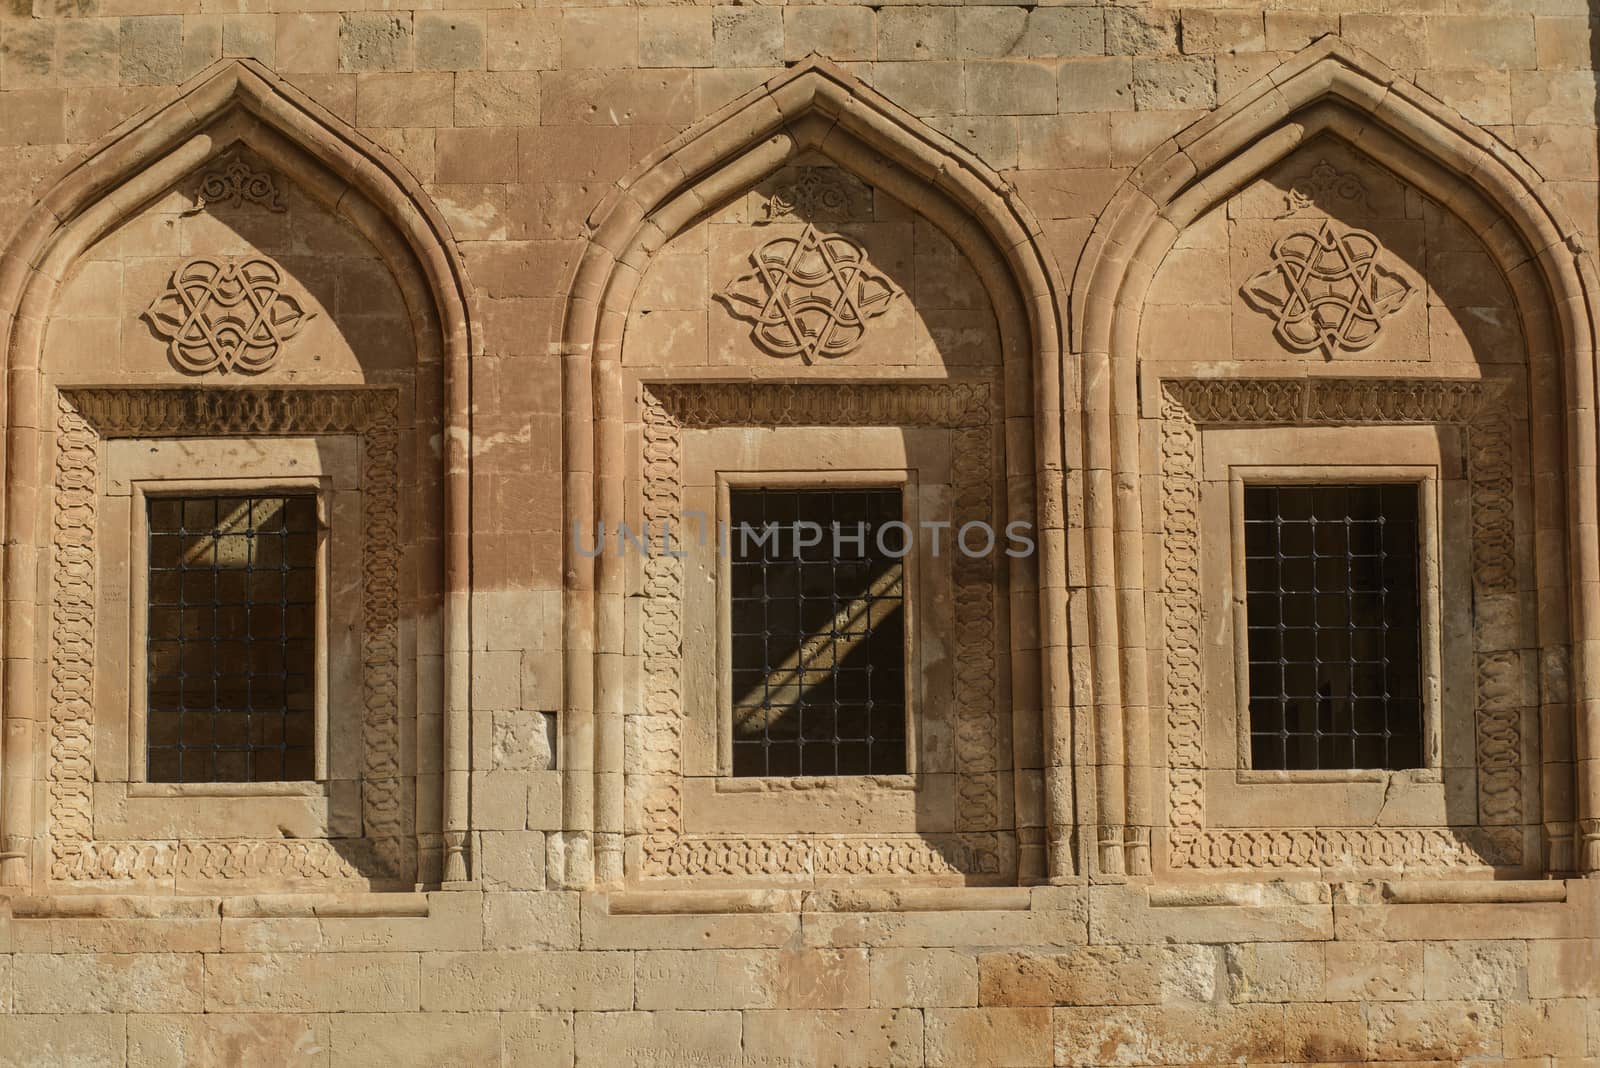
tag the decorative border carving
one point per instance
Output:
(1189, 404)
(655, 735)
(84, 417)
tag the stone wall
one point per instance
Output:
(515, 262)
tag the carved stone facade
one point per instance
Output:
(516, 299)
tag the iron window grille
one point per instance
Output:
(231, 638)
(1332, 576)
(818, 632)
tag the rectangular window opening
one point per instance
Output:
(817, 606)
(1332, 576)
(231, 638)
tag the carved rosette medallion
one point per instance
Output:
(809, 296)
(1328, 289)
(226, 315)
(234, 184)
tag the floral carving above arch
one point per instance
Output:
(1335, 90)
(237, 103)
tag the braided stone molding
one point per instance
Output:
(654, 737)
(1189, 404)
(85, 417)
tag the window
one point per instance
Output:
(1334, 617)
(818, 631)
(231, 637)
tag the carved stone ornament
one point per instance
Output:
(1328, 289)
(815, 191)
(809, 296)
(234, 183)
(1325, 185)
(227, 315)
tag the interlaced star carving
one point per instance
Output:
(226, 315)
(809, 296)
(1327, 290)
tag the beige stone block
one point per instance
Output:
(1219, 32)
(1290, 31)
(512, 859)
(1011, 87)
(1473, 41)
(1291, 912)
(89, 55)
(117, 982)
(374, 41)
(674, 37)
(1446, 1030)
(537, 1038)
(1135, 134)
(1554, 97)
(152, 49)
(307, 43)
(668, 1039)
(841, 33)
(523, 40)
(1098, 975)
(1098, 84)
(28, 56)
(405, 99)
(1553, 1028)
(1065, 141)
(845, 1039)
(1276, 971)
(916, 33)
(923, 88)
(1483, 96)
(1475, 970)
(707, 979)
(303, 982)
(98, 1041)
(1141, 31)
(600, 37)
(522, 980)
(1560, 968)
(1399, 40)
(384, 1039)
(602, 930)
(497, 98)
(923, 978)
(822, 979)
(747, 37)
(1562, 42)
(543, 920)
(1318, 1034)
(1190, 82)
(620, 97)
(980, 1038)
(249, 1040)
(253, 36)
(1169, 1034)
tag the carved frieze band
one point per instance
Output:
(84, 418)
(654, 737)
(1186, 406)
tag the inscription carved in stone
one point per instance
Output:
(227, 315)
(234, 184)
(809, 296)
(1327, 289)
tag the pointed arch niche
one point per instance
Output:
(669, 238)
(1481, 370)
(365, 389)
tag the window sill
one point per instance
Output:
(308, 788)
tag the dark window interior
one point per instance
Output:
(818, 633)
(232, 638)
(1332, 583)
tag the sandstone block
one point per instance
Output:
(513, 860)
(375, 41)
(89, 54)
(1561, 42)
(1467, 971)
(254, 36)
(747, 37)
(674, 37)
(1175, 83)
(307, 43)
(707, 979)
(822, 979)
(523, 40)
(600, 37)
(392, 1038)
(404, 99)
(1281, 971)
(1101, 84)
(1443, 1030)
(28, 56)
(1317, 1034)
(301, 982)
(497, 98)
(151, 47)
(114, 982)
(980, 1038)
(916, 33)
(1561, 968)
(1248, 1034)
(851, 1038)
(521, 980)
(923, 88)
(1399, 40)
(537, 1038)
(1097, 975)
(1290, 31)
(667, 1039)
(250, 1040)
(449, 41)
(1140, 31)
(1217, 32)
(842, 33)
(81, 1041)
(1017, 87)
(1552, 1028)
(923, 978)
(1474, 41)
(541, 920)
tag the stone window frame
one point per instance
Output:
(1431, 639)
(903, 479)
(984, 843)
(85, 419)
(141, 492)
(1481, 410)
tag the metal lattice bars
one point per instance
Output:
(818, 632)
(1334, 620)
(231, 638)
